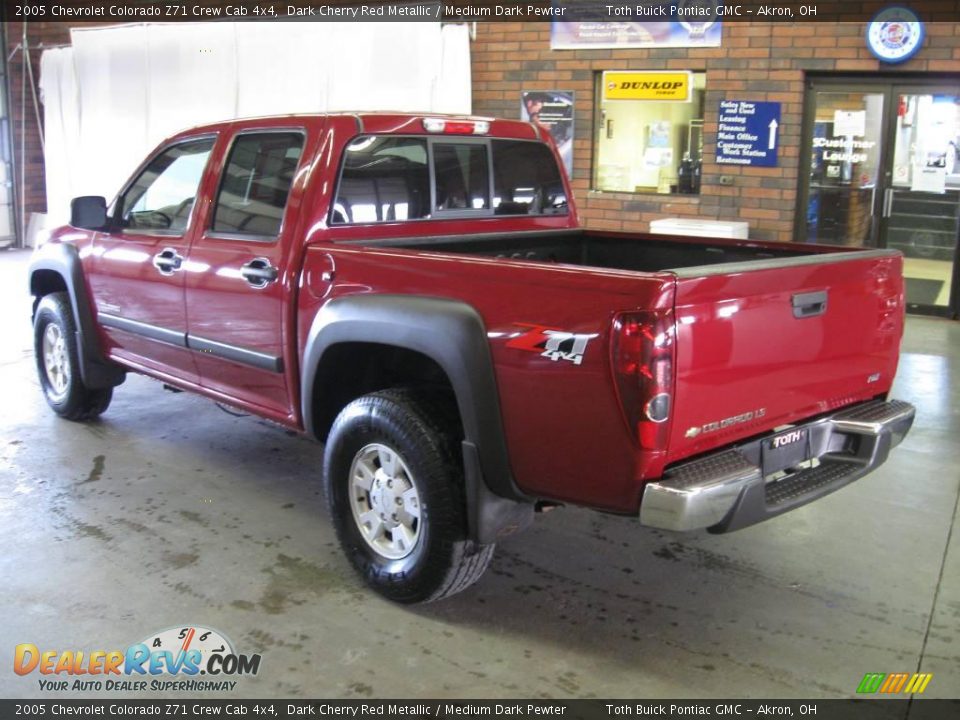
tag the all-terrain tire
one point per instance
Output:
(58, 362)
(430, 557)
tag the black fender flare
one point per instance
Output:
(64, 260)
(453, 335)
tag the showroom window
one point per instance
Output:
(161, 198)
(649, 132)
(385, 179)
(256, 183)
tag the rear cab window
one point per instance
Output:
(389, 178)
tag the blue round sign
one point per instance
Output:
(895, 34)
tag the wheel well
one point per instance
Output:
(349, 370)
(45, 282)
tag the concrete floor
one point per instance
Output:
(169, 512)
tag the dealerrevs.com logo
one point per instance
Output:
(170, 660)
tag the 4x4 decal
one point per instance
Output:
(552, 343)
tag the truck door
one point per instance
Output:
(136, 270)
(242, 283)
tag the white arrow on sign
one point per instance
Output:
(772, 143)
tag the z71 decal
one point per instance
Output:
(551, 343)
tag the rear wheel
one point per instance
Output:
(58, 362)
(394, 486)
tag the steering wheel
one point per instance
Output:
(148, 219)
(167, 220)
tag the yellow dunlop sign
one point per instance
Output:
(672, 86)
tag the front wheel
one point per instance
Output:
(394, 487)
(58, 362)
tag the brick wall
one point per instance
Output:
(24, 124)
(756, 62)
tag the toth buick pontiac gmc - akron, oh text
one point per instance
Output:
(416, 292)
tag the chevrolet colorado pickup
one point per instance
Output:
(417, 293)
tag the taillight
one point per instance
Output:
(643, 367)
(456, 127)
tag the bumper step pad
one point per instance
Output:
(727, 491)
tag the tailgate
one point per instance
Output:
(769, 343)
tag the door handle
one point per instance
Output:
(259, 272)
(167, 261)
(887, 202)
(810, 304)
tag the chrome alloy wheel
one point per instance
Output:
(384, 501)
(56, 363)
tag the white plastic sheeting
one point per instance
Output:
(58, 85)
(119, 91)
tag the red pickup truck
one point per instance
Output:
(417, 292)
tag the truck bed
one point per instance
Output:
(621, 251)
(766, 334)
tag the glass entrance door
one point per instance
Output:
(881, 168)
(921, 207)
(846, 132)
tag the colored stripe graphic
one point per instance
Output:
(918, 683)
(871, 682)
(892, 683)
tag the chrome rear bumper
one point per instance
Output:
(727, 490)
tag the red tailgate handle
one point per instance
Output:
(811, 304)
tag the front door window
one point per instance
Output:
(161, 198)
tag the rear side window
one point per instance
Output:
(526, 180)
(256, 183)
(383, 179)
(390, 178)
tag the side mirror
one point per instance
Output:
(89, 212)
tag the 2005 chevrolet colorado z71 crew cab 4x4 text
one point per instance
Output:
(417, 292)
